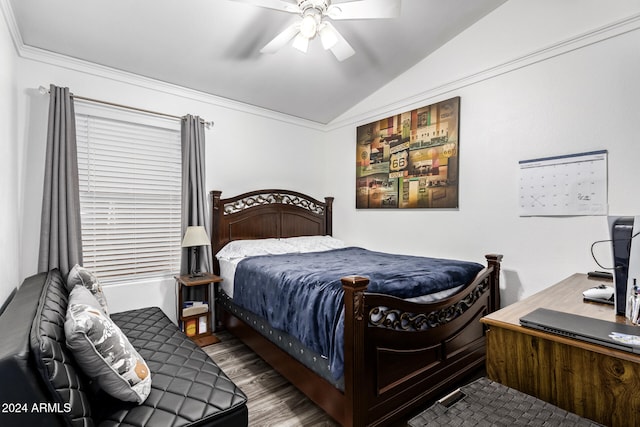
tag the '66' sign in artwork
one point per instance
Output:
(410, 160)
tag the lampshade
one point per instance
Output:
(195, 236)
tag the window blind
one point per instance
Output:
(130, 188)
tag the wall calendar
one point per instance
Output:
(574, 184)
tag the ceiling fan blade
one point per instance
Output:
(365, 9)
(341, 49)
(282, 5)
(281, 39)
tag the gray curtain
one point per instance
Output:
(60, 232)
(194, 200)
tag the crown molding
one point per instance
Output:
(12, 25)
(614, 29)
(63, 61)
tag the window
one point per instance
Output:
(129, 168)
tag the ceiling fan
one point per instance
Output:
(313, 22)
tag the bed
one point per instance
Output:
(397, 353)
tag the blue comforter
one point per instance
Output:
(302, 295)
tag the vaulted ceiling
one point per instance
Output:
(213, 46)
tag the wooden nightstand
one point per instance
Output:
(194, 325)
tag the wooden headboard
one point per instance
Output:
(263, 214)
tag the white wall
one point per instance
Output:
(246, 149)
(536, 79)
(9, 220)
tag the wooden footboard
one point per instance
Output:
(399, 355)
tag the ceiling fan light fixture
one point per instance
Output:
(327, 37)
(309, 26)
(301, 42)
(312, 22)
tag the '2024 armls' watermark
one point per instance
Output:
(36, 407)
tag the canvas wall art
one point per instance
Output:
(410, 160)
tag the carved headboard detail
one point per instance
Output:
(267, 213)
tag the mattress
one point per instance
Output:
(229, 262)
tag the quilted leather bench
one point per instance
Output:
(41, 384)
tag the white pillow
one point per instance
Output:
(243, 248)
(102, 350)
(314, 243)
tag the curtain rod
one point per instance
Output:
(208, 124)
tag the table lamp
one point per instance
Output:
(194, 237)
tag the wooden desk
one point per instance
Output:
(592, 381)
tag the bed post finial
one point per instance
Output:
(328, 215)
(215, 226)
(355, 323)
(494, 260)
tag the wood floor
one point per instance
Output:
(273, 401)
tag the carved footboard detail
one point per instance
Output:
(408, 321)
(401, 354)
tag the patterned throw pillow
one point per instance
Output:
(102, 351)
(81, 276)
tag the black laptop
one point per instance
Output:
(610, 334)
